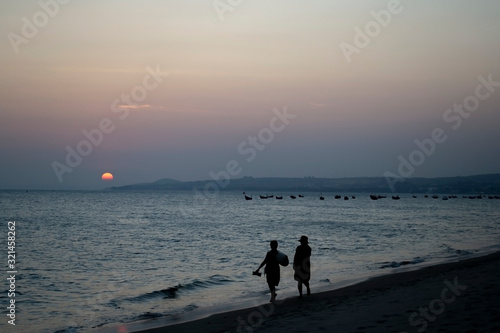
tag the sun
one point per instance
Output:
(107, 176)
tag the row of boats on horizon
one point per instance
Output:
(373, 197)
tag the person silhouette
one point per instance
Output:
(302, 265)
(272, 269)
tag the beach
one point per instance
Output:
(461, 296)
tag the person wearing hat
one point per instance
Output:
(302, 265)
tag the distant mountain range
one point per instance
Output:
(487, 184)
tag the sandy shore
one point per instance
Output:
(454, 297)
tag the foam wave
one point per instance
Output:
(173, 292)
(170, 292)
(455, 252)
(214, 280)
(396, 264)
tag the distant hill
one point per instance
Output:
(488, 184)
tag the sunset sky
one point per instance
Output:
(177, 89)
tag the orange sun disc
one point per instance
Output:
(107, 176)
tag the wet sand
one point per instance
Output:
(453, 297)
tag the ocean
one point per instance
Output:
(91, 259)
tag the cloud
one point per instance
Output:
(130, 106)
(318, 105)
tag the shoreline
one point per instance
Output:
(392, 302)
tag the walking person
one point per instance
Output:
(272, 269)
(302, 265)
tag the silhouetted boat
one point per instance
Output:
(321, 197)
(395, 197)
(382, 196)
(301, 196)
(247, 197)
(346, 198)
(270, 196)
(373, 197)
(435, 197)
(338, 196)
(293, 197)
(353, 197)
(263, 196)
(279, 197)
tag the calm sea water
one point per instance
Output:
(88, 259)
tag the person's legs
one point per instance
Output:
(299, 286)
(307, 286)
(272, 289)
